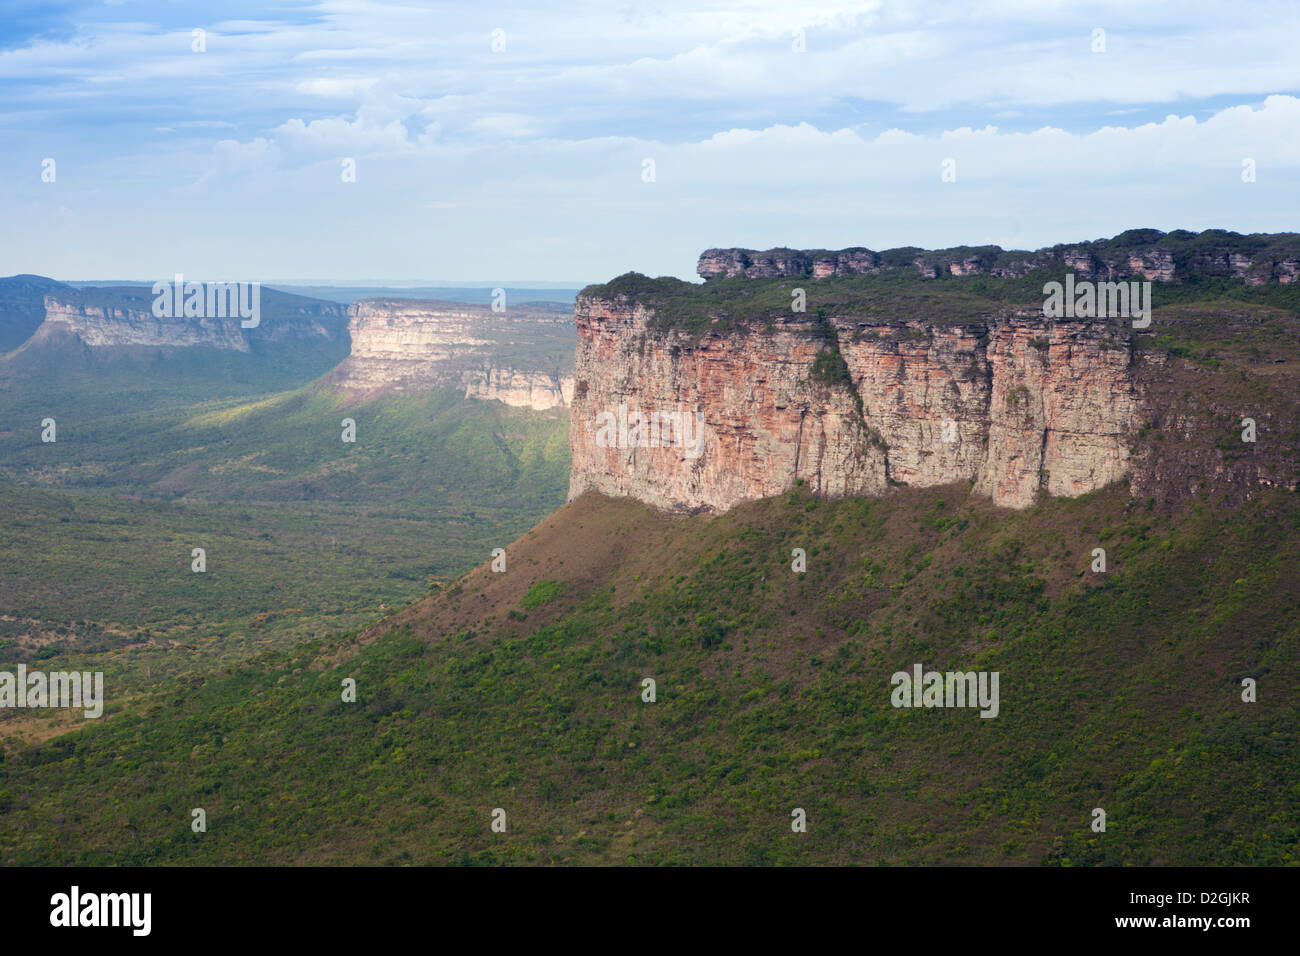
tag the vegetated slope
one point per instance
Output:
(22, 307)
(304, 534)
(521, 691)
(432, 447)
(80, 574)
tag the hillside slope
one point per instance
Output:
(521, 691)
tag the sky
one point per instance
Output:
(346, 140)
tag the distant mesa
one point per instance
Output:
(37, 312)
(522, 357)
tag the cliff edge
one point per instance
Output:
(697, 398)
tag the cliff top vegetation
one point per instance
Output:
(738, 303)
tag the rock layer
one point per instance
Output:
(536, 390)
(121, 318)
(101, 326)
(521, 357)
(1137, 254)
(1011, 404)
(400, 345)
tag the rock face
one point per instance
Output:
(521, 357)
(121, 317)
(399, 345)
(1137, 254)
(101, 326)
(1012, 404)
(536, 390)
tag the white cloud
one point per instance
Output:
(337, 134)
(336, 87)
(507, 125)
(754, 144)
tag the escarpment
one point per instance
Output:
(698, 398)
(1012, 404)
(100, 326)
(536, 390)
(521, 357)
(1136, 254)
(124, 318)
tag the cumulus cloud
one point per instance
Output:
(337, 134)
(823, 123)
(336, 87)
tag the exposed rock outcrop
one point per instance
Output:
(536, 390)
(521, 357)
(122, 318)
(1011, 404)
(882, 383)
(100, 326)
(1136, 254)
(399, 345)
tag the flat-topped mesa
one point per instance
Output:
(126, 318)
(118, 326)
(1149, 254)
(521, 357)
(697, 397)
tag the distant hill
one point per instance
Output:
(22, 307)
(66, 339)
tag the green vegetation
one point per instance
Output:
(433, 447)
(904, 294)
(1119, 690)
(305, 535)
(723, 305)
(543, 592)
(522, 690)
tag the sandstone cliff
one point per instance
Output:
(100, 326)
(1012, 403)
(121, 318)
(536, 390)
(1136, 254)
(521, 357)
(881, 382)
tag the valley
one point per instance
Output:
(661, 652)
(172, 444)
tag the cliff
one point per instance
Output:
(521, 357)
(698, 398)
(536, 390)
(1136, 254)
(1011, 403)
(99, 326)
(121, 318)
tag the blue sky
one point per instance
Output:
(527, 162)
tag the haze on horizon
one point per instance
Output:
(529, 161)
